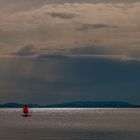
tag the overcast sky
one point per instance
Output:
(54, 51)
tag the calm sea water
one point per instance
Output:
(70, 124)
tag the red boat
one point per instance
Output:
(26, 111)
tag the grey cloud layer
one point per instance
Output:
(26, 51)
(56, 50)
(62, 15)
(55, 78)
(94, 26)
(63, 26)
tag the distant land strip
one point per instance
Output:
(76, 104)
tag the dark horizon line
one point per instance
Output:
(121, 101)
(76, 104)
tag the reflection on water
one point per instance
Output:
(70, 124)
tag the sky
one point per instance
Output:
(54, 51)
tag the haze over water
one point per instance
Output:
(70, 124)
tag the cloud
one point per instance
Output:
(27, 50)
(94, 26)
(52, 56)
(46, 27)
(97, 51)
(81, 58)
(90, 50)
(70, 78)
(62, 15)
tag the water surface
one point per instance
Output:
(70, 124)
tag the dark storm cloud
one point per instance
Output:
(65, 63)
(62, 15)
(51, 56)
(96, 79)
(51, 79)
(101, 51)
(27, 50)
(90, 50)
(104, 51)
(94, 26)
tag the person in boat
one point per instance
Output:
(25, 110)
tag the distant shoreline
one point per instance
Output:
(76, 104)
